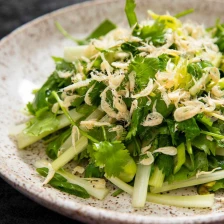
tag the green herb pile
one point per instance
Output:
(140, 107)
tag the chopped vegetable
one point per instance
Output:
(141, 107)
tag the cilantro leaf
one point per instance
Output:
(145, 68)
(95, 93)
(165, 163)
(137, 117)
(131, 47)
(202, 143)
(190, 128)
(161, 106)
(112, 156)
(93, 171)
(164, 140)
(201, 161)
(53, 147)
(36, 126)
(130, 12)
(196, 68)
(135, 121)
(154, 33)
(43, 98)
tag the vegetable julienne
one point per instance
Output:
(140, 107)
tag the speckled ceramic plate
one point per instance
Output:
(25, 62)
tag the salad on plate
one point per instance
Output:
(141, 108)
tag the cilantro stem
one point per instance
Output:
(117, 192)
(70, 118)
(104, 133)
(63, 108)
(66, 34)
(212, 134)
(184, 13)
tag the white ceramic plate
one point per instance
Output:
(25, 63)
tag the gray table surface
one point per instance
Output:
(14, 207)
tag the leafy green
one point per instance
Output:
(77, 101)
(164, 140)
(131, 47)
(95, 93)
(189, 127)
(165, 163)
(201, 161)
(105, 27)
(137, 117)
(61, 183)
(182, 174)
(196, 68)
(184, 13)
(133, 146)
(93, 171)
(38, 125)
(219, 184)
(219, 34)
(161, 106)
(202, 143)
(172, 129)
(54, 146)
(112, 156)
(144, 68)
(130, 12)
(62, 65)
(43, 99)
(154, 33)
(202, 118)
(97, 133)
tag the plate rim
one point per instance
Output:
(89, 212)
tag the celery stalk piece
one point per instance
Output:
(70, 153)
(196, 201)
(157, 178)
(25, 140)
(141, 185)
(181, 157)
(205, 178)
(16, 129)
(120, 184)
(73, 53)
(99, 193)
(199, 201)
